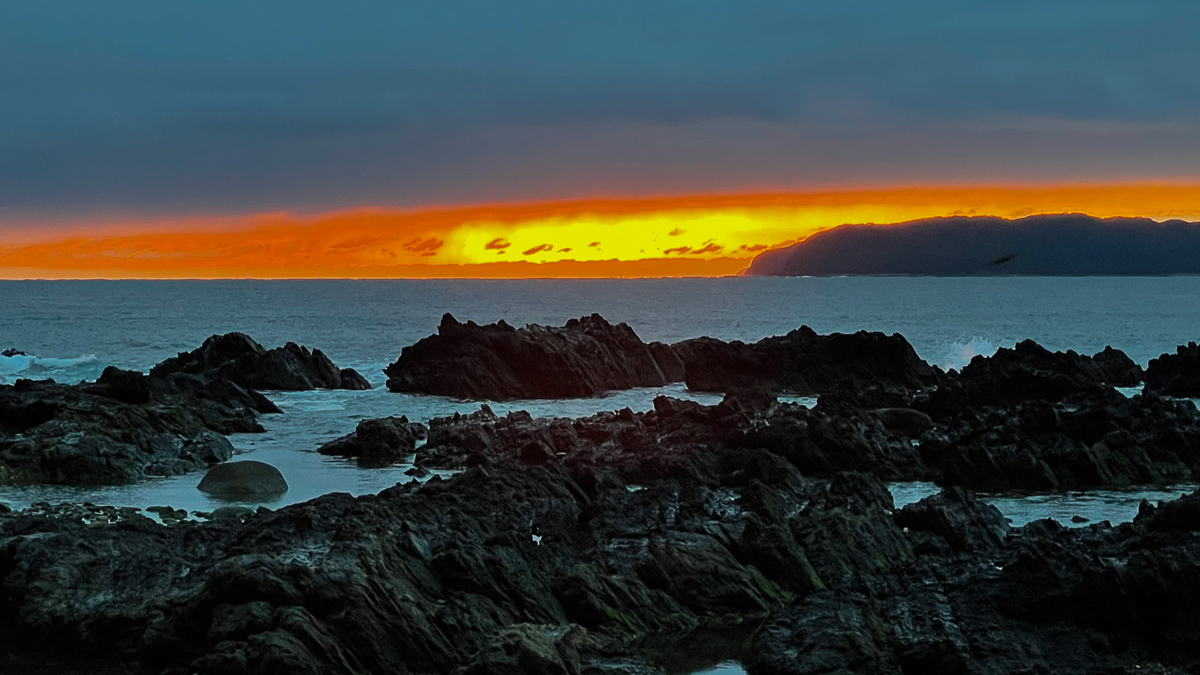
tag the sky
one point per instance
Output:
(503, 139)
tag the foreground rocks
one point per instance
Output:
(1046, 599)
(416, 579)
(1176, 374)
(237, 358)
(562, 541)
(583, 358)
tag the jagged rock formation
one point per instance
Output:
(565, 539)
(585, 357)
(120, 429)
(1176, 374)
(377, 442)
(126, 426)
(236, 357)
(1030, 372)
(805, 363)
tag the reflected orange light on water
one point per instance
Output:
(696, 235)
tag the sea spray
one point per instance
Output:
(958, 353)
(39, 367)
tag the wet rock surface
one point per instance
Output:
(120, 429)
(585, 357)
(560, 544)
(805, 363)
(127, 426)
(1044, 599)
(416, 579)
(1030, 372)
(612, 528)
(243, 480)
(237, 358)
(378, 442)
(1176, 374)
(1097, 438)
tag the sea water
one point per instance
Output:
(71, 330)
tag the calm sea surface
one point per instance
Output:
(74, 329)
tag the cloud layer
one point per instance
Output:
(164, 108)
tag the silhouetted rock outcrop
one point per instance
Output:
(805, 363)
(586, 357)
(236, 357)
(1043, 245)
(1030, 372)
(1176, 374)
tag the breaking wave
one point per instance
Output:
(959, 353)
(35, 367)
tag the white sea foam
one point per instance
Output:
(28, 365)
(959, 353)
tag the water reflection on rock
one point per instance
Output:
(1077, 508)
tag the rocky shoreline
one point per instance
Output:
(127, 425)
(558, 544)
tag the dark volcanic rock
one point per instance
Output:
(805, 363)
(566, 538)
(1030, 372)
(817, 442)
(377, 442)
(904, 421)
(239, 359)
(1176, 374)
(1099, 438)
(412, 580)
(119, 429)
(247, 479)
(960, 519)
(1046, 599)
(127, 386)
(585, 357)
(1114, 367)
(127, 425)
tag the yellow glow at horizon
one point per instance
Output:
(648, 235)
(732, 227)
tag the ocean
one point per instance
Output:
(76, 328)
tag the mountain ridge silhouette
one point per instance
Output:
(1068, 244)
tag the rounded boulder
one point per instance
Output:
(246, 479)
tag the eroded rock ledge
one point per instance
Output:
(558, 544)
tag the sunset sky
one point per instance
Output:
(151, 139)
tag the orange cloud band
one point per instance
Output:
(698, 235)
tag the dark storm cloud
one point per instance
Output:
(222, 105)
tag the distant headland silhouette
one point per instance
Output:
(1043, 245)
